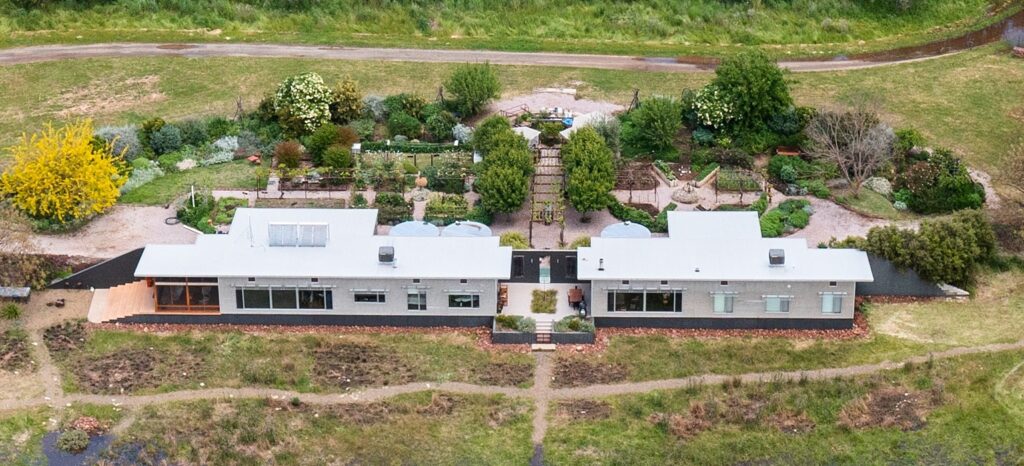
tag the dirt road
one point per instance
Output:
(13, 56)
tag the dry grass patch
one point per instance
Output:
(891, 407)
(584, 409)
(575, 372)
(106, 96)
(14, 352)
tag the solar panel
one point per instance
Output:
(283, 234)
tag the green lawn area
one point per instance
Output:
(994, 315)
(957, 411)
(970, 102)
(872, 204)
(21, 434)
(238, 174)
(111, 361)
(420, 428)
(646, 27)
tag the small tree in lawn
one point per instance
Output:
(472, 87)
(59, 174)
(591, 171)
(754, 86)
(854, 139)
(657, 122)
(347, 102)
(503, 189)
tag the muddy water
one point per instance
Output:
(986, 35)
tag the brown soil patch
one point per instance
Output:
(506, 374)
(359, 365)
(505, 413)
(129, 370)
(791, 422)
(14, 353)
(64, 338)
(109, 96)
(584, 410)
(575, 372)
(889, 407)
(89, 425)
(636, 176)
(365, 414)
(441, 404)
(705, 414)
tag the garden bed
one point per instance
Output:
(636, 176)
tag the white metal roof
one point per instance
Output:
(703, 252)
(350, 252)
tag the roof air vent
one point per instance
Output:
(386, 254)
(776, 257)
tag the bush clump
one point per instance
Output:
(392, 208)
(288, 154)
(10, 311)
(514, 239)
(790, 215)
(516, 323)
(73, 441)
(446, 208)
(574, 324)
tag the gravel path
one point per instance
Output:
(122, 229)
(41, 53)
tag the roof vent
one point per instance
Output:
(776, 257)
(386, 254)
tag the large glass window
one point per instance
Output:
(370, 297)
(256, 298)
(203, 296)
(776, 303)
(417, 300)
(723, 302)
(171, 295)
(626, 301)
(465, 301)
(663, 301)
(518, 266)
(313, 299)
(649, 301)
(831, 303)
(283, 298)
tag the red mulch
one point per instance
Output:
(482, 334)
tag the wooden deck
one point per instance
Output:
(131, 299)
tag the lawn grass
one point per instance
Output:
(645, 27)
(238, 174)
(995, 314)
(872, 204)
(21, 435)
(977, 421)
(970, 102)
(109, 360)
(419, 428)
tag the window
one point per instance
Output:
(463, 281)
(570, 267)
(831, 303)
(833, 284)
(415, 280)
(625, 282)
(667, 301)
(256, 298)
(645, 301)
(723, 302)
(314, 280)
(417, 300)
(251, 279)
(315, 299)
(171, 295)
(664, 282)
(371, 297)
(518, 266)
(467, 301)
(283, 298)
(776, 303)
(626, 301)
(724, 283)
(203, 296)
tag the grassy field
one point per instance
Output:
(114, 361)
(21, 434)
(239, 174)
(421, 428)
(641, 27)
(957, 411)
(994, 315)
(970, 102)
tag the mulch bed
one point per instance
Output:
(890, 407)
(358, 365)
(637, 176)
(129, 370)
(64, 338)
(506, 374)
(584, 409)
(482, 335)
(735, 409)
(576, 372)
(791, 422)
(14, 353)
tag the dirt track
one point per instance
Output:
(41, 53)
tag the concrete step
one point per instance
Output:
(542, 347)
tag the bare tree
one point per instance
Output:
(19, 265)
(854, 138)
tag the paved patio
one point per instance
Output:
(520, 295)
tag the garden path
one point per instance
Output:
(124, 228)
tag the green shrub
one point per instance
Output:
(409, 168)
(198, 217)
(479, 214)
(772, 224)
(124, 140)
(440, 125)
(516, 323)
(544, 301)
(760, 205)
(703, 136)
(472, 86)
(302, 103)
(574, 324)
(73, 441)
(338, 156)
(392, 208)
(10, 311)
(799, 219)
(656, 123)
(514, 239)
(193, 132)
(792, 205)
(816, 188)
(359, 201)
(410, 104)
(551, 132)
(166, 139)
(363, 128)
(581, 242)
(755, 86)
(625, 213)
(403, 124)
(446, 208)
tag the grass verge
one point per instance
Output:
(938, 413)
(872, 204)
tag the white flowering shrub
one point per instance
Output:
(141, 174)
(462, 133)
(713, 108)
(304, 102)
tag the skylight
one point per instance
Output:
(298, 234)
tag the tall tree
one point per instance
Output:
(472, 86)
(755, 86)
(854, 139)
(488, 134)
(59, 174)
(503, 189)
(346, 102)
(591, 171)
(657, 122)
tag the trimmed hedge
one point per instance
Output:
(411, 147)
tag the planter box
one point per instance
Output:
(707, 179)
(661, 175)
(572, 338)
(512, 338)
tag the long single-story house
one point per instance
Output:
(327, 266)
(714, 270)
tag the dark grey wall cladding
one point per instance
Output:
(513, 338)
(891, 281)
(279, 319)
(572, 338)
(563, 266)
(107, 274)
(725, 323)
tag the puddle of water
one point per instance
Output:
(57, 457)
